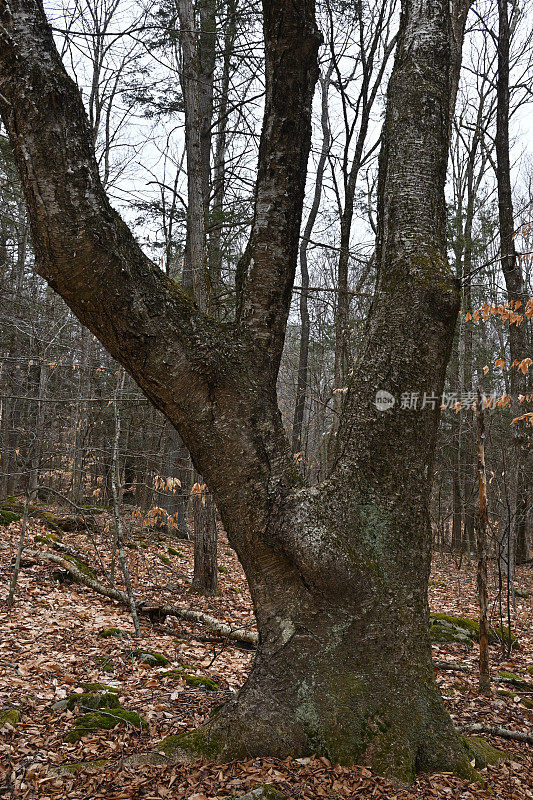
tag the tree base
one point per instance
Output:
(395, 752)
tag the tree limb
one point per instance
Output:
(210, 622)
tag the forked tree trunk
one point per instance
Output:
(337, 573)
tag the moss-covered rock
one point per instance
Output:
(150, 658)
(197, 681)
(10, 716)
(93, 701)
(99, 687)
(104, 719)
(107, 633)
(7, 517)
(514, 680)
(485, 753)
(471, 627)
(265, 791)
(47, 538)
(443, 632)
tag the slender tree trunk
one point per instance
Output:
(116, 490)
(198, 53)
(516, 295)
(303, 358)
(195, 276)
(482, 591)
(216, 216)
(205, 541)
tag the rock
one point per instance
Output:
(106, 633)
(99, 687)
(80, 766)
(93, 700)
(150, 658)
(263, 792)
(10, 717)
(198, 681)
(471, 628)
(104, 719)
(7, 517)
(515, 680)
(444, 632)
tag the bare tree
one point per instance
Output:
(338, 573)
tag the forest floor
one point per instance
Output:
(50, 645)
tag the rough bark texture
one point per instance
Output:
(514, 282)
(337, 573)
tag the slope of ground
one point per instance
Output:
(50, 646)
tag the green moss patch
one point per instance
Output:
(514, 680)
(485, 753)
(191, 744)
(10, 716)
(82, 566)
(48, 538)
(106, 664)
(196, 681)
(105, 719)
(107, 633)
(93, 700)
(497, 634)
(164, 559)
(173, 552)
(223, 570)
(7, 517)
(150, 658)
(99, 687)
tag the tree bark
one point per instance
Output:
(303, 357)
(337, 573)
(516, 295)
(482, 591)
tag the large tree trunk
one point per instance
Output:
(337, 573)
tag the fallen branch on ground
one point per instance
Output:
(221, 628)
(496, 730)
